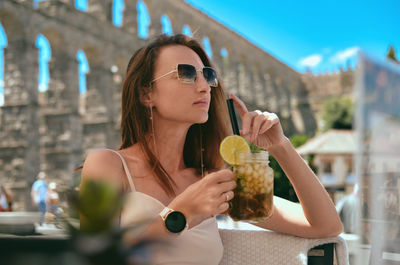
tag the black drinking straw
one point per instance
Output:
(232, 116)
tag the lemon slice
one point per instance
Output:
(230, 146)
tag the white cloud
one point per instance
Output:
(311, 61)
(342, 56)
(1, 99)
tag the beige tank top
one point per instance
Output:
(200, 244)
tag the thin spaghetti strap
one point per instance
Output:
(128, 174)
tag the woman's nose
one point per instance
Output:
(202, 84)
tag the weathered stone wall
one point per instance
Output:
(53, 131)
(324, 86)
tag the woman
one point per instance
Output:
(173, 119)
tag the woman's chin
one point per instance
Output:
(203, 119)
(200, 120)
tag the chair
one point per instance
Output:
(245, 247)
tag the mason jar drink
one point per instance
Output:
(253, 201)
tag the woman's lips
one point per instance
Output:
(201, 103)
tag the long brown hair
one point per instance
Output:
(136, 125)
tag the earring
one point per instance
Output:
(201, 153)
(151, 112)
(152, 129)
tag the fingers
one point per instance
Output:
(270, 121)
(220, 176)
(226, 196)
(247, 121)
(222, 208)
(227, 186)
(257, 122)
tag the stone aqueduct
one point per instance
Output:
(52, 131)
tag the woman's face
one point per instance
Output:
(176, 101)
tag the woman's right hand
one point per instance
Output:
(206, 198)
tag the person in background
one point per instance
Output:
(6, 199)
(53, 202)
(347, 209)
(39, 195)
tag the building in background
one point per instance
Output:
(333, 156)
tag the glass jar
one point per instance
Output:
(253, 201)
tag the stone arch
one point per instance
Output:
(118, 7)
(143, 19)
(83, 70)
(239, 71)
(19, 114)
(3, 45)
(259, 98)
(224, 68)
(285, 106)
(119, 65)
(156, 11)
(285, 97)
(302, 106)
(93, 54)
(271, 98)
(276, 81)
(81, 5)
(44, 57)
(102, 10)
(244, 80)
(166, 24)
(56, 39)
(187, 30)
(61, 94)
(12, 26)
(118, 70)
(98, 109)
(207, 46)
(14, 88)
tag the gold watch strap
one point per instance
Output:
(164, 213)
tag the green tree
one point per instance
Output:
(282, 186)
(391, 54)
(338, 113)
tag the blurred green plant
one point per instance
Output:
(338, 113)
(282, 186)
(98, 204)
(100, 239)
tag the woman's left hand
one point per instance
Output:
(261, 128)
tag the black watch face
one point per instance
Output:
(175, 222)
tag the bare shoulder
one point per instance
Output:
(103, 164)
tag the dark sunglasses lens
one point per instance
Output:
(210, 75)
(187, 72)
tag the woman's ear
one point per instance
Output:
(145, 99)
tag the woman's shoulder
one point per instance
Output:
(102, 164)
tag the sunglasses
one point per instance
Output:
(187, 73)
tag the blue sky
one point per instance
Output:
(321, 35)
(316, 35)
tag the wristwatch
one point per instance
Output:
(174, 221)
